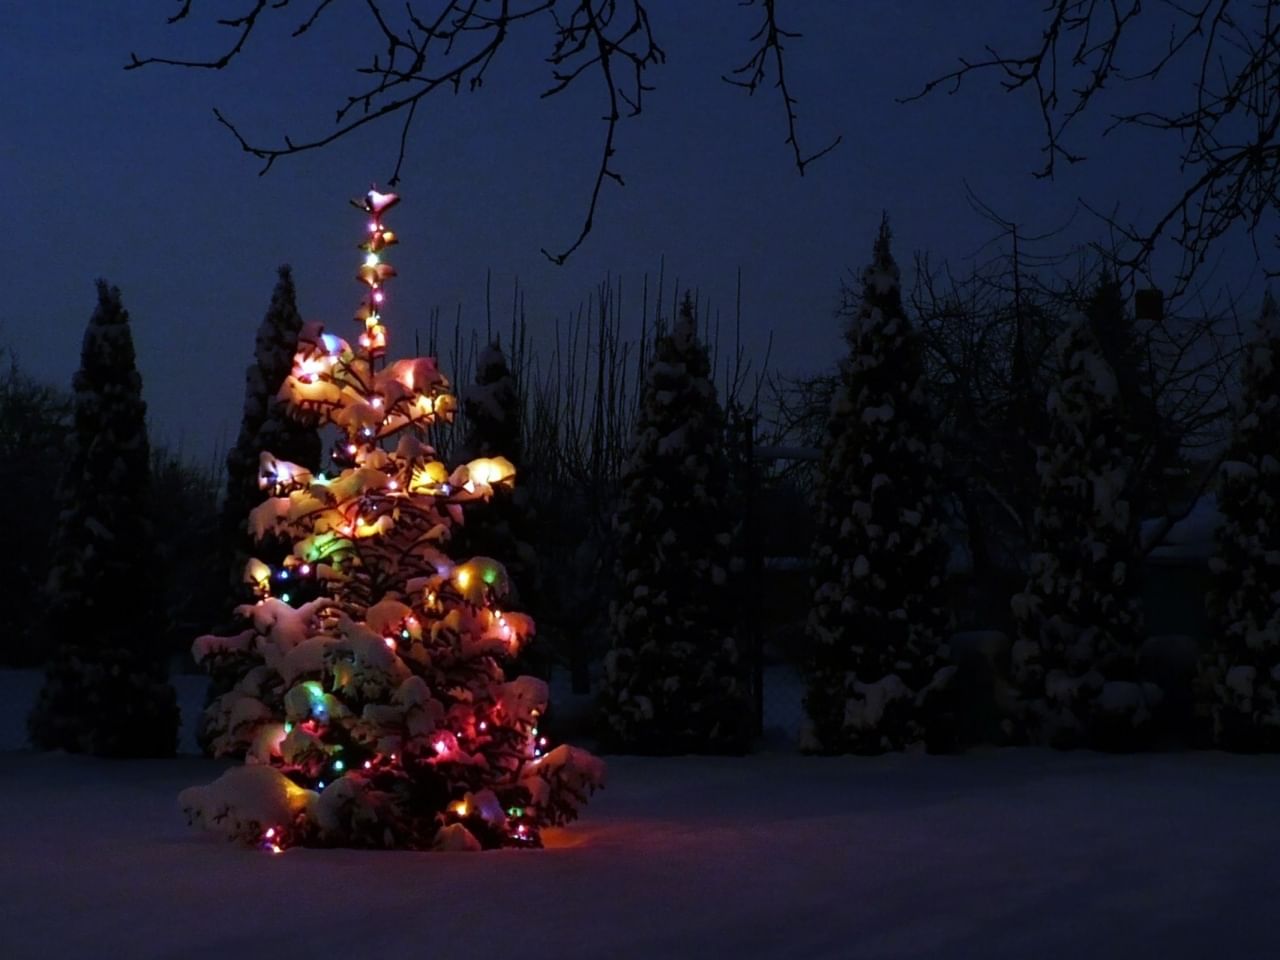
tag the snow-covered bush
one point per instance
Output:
(1240, 673)
(1079, 618)
(381, 703)
(674, 682)
(878, 625)
(106, 689)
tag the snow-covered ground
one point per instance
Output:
(1012, 853)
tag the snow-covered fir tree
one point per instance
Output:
(1240, 671)
(1079, 618)
(501, 527)
(378, 712)
(106, 689)
(266, 425)
(674, 682)
(878, 628)
(35, 422)
(1122, 342)
(491, 406)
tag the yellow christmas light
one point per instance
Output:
(480, 577)
(428, 477)
(491, 471)
(309, 368)
(258, 574)
(376, 274)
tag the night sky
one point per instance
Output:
(126, 175)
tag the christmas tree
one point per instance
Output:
(1079, 618)
(106, 689)
(378, 713)
(266, 425)
(1240, 672)
(878, 626)
(673, 679)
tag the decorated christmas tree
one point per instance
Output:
(673, 679)
(106, 688)
(878, 626)
(378, 713)
(1079, 618)
(1240, 671)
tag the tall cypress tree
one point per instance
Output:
(674, 682)
(1157, 443)
(502, 527)
(1079, 619)
(106, 690)
(35, 421)
(492, 409)
(878, 627)
(1240, 671)
(266, 425)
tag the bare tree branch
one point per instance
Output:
(244, 23)
(587, 29)
(1227, 134)
(452, 47)
(769, 47)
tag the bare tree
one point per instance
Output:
(578, 393)
(434, 45)
(1225, 128)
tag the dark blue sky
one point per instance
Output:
(126, 175)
